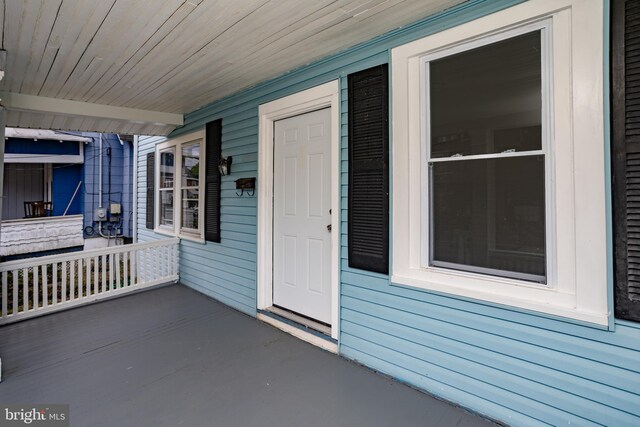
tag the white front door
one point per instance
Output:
(302, 214)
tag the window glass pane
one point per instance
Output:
(190, 165)
(488, 216)
(166, 207)
(166, 169)
(190, 209)
(488, 99)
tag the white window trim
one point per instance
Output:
(577, 281)
(176, 230)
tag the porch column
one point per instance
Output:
(3, 121)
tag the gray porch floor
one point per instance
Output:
(172, 356)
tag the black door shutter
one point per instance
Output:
(625, 75)
(151, 166)
(213, 151)
(369, 169)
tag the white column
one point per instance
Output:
(3, 121)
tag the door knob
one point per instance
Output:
(329, 228)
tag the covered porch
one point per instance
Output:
(172, 356)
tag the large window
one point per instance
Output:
(498, 160)
(180, 175)
(486, 157)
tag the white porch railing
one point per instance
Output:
(35, 286)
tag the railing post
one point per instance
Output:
(5, 295)
(54, 286)
(63, 281)
(45, 285)
(25, 289)
(36, 288)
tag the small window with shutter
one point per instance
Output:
(625, 76)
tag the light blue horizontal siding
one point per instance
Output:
(515, 366)
(225, 271)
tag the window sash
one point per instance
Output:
(184, 187)
(176, 146)
(427, 248)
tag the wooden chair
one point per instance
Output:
(37, 209)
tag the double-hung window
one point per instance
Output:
(498, 160)
(485, 160)
(180, 175)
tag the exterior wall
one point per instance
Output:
(121, 179)
(518, 367)
(23, 236)
(225, 271)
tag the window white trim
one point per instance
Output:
(175, 145)
(325, 95)
(577, 280)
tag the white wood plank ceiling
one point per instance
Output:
(171, 56)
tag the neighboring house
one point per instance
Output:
(435, 202)
(52, 190)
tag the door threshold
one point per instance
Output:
(298, 330)
(305, 321)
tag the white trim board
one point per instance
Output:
(323, 96)
(298, 333)
(41, 104)
(46, 158)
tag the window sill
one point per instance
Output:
(191, 238)
(164, 232)
(512, 294)
(195, 239)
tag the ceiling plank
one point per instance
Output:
(303, 50)
(152, 32)
(164, 48)
(182, 50)
(104, 48)
(82, 18)
(46, 19)
(237, 49)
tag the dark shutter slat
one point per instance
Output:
(151, 166)
(626, 155)
(369, 170)
(213, 152)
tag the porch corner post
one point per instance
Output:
(3, 121)
(134, 200)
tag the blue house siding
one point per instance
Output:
(121, 177)
(518, 367)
